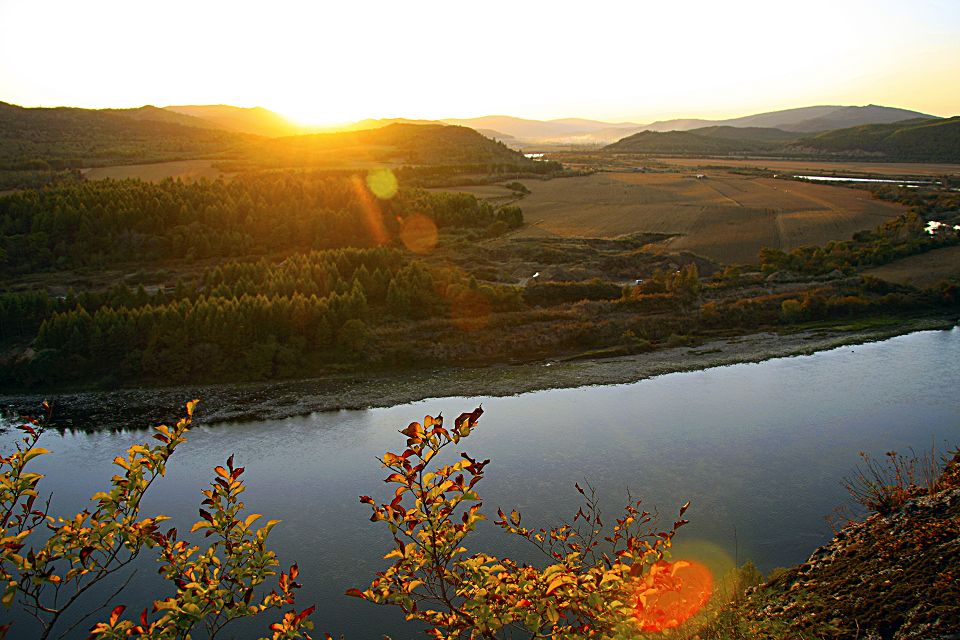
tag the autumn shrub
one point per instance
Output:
(882, 486)
(596, 583)
(51, 565)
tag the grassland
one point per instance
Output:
(724, 216)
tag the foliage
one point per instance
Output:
(105, 223)
(897, 238)
(543, 294)
(48, 577)
(587, 591)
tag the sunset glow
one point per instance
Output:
(338, 62)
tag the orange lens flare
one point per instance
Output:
(418, 233)
(671, 593)
(371, 211)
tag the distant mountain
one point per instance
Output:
(375, 123)
(255, 120)
(537, 130)
(150, 112)
(578, 131)
(66, 137)
(844, 117)
(922, 139)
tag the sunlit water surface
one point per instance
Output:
(759, 449)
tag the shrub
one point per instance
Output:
(884, 486)
(213, 586)
(585, 591)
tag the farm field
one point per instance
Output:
(495, 193)
(157, 171)
(923, 270)
(725, 217)
(897, 169)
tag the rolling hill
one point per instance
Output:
(65, 137)
(917, 140)
(706, 141)
(920, 140)
(399, 143)
(255, 120)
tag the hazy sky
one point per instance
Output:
(639, 60)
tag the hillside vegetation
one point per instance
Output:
(63, 138)
(917, 140)
(429, 144)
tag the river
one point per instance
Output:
(760, 449)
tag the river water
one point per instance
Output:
(760, 450)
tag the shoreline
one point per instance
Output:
(141, 408)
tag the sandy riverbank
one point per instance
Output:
(136, 408)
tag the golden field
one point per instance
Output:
(723, 216)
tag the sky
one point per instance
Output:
(323, 62)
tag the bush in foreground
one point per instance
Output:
(213, 586)
(596, 585)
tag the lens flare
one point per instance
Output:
(371, 211)
(670, 594)
(382, 183)
(418, 233)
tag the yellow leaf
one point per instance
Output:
(251, 519)
(556, 583)
(33, 453)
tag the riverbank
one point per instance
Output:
(139, 408)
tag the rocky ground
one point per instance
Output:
(890, 577)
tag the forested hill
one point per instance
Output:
(65, 137)
(432, 144)
(920, 139)
(690, 142)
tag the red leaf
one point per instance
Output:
(356, 593)
(143, 617)
(303, 614)
(115, 614)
